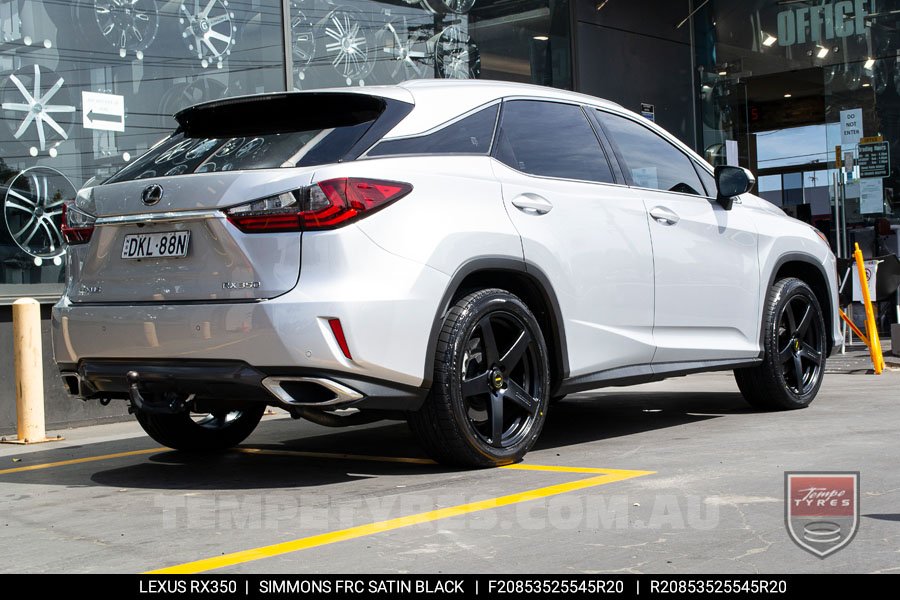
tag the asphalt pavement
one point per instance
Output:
(672, 477)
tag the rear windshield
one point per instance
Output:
(287, 130)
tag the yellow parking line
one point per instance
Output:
(586, 470)
(78, 461)
(243, 556)
(309, 454)
(336, 455)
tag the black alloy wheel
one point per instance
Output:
(501, 379)
(802, 345)
(489, 397)
(795, 348)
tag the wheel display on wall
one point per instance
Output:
(442, 7)
(32, 211)
(347, 44)
(402, 51)
(455, 55)
(128, 25)
(303, 39)
(208, 30)
(182, 95)
(32, 98)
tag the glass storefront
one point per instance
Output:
(86, 86)
(806, 93)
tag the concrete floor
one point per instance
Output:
(714, 503)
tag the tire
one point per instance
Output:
(209, 433)
(794, 343)
(490, 356)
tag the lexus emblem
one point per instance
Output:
(152, 194)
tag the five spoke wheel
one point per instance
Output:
(488, 400)
(499, 379)
(800, 344)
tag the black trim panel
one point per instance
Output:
(635, 374)
(229, 380)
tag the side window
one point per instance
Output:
(709, 182)
(550, 139)
(651, 161)
(470, 135)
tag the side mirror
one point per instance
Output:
(732, 181)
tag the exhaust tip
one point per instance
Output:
(310, 391)
(72, 383)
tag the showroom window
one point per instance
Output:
(88, 86)
(651, 161)
(552, 140)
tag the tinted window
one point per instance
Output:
(550, 139)
(651, 161)
(470, 135)
(264, 132)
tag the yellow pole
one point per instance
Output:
(871, 327)
(29, 371)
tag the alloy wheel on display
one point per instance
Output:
(128, 25)
(401, 51)
(455, 55)
(501, 380)
(347, 44)
(208, 30)
(32, 210)
(31, 104)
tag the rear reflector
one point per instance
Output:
(338, 332)
(325, 205)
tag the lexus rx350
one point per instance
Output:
(455, 254)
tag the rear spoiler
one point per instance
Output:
(266, 114)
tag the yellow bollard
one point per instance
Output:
(871, 327)
(29, 373)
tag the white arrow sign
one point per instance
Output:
(103, 111)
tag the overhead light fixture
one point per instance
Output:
(869, 64)
(822, 52)
(541, 38)
(723, 73)
(599, 6)
(768, 39)
(788, 95)
(867, 85)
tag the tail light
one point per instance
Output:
(325, 205)
(77, 225)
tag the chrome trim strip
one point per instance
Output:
(342, 393)
(187, 215)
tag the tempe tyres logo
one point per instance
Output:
(821, 509)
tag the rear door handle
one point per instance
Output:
(532, 204)
(663, 215)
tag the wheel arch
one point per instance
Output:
(526, 281)
(810, 271)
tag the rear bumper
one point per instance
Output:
(225, 380)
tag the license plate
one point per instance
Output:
(165, 244)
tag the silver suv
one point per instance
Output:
(456, 254)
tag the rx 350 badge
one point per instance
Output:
(821, 509)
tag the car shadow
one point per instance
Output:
(581, 418)
(596, 416)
